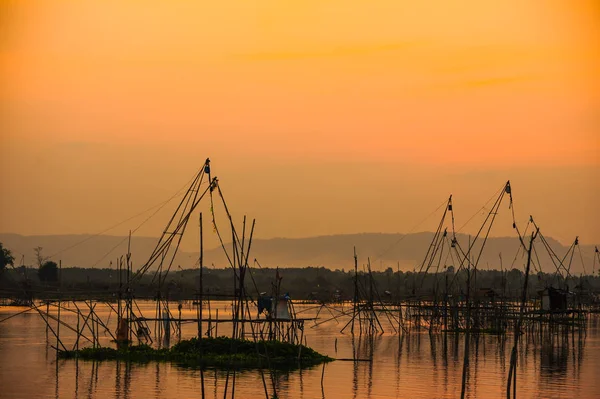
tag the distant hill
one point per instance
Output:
(387, 250)
(335, 251)
(82, 250)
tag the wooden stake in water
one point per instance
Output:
(512, 371)
(58, 322)
(47, 312)
(355, 302)
(200, 288)
(467, 333)
(200, 261)
(77, 342)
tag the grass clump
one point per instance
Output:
(220, 352)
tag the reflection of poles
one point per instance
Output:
(512, 371)
(354, 369)
(76, 377)
(127, 382)
(56, 393)
(118, 379)
(322, 377)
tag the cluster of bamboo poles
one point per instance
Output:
(446, 312)
(133, 326)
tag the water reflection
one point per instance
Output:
(554, 357)
(550, 364)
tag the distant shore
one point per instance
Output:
(310, 283)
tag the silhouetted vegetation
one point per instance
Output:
(6, 258)
(220, 352)
(48, 272)
(301, 283)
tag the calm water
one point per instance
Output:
(412, 366)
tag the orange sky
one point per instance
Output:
(321, 117)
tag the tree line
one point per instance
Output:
(318, 283)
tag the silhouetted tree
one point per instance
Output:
(48, 272)
(6, 257)
(39, 257)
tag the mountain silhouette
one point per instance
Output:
(334, 251)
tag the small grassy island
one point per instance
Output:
(221, 352)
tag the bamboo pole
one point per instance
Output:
(59, 292)
(200, 283)
(49, 326)
(355, 304)
(200, 298)
(512, 372)
(467, 333)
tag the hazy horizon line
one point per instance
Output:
(286, 238)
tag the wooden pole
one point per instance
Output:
(467, 328)
(235, 283)
(209, 315)
(201, 287)
(200, 298)
(355, 304)
(59, 287)
(47, 312)
(77, 342)
(93, 326)
(242, 266)
(512, 371)
(119, 311)
(98, 330)
(129, 304)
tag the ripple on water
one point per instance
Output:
(413, 366)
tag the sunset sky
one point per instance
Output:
(320, 117)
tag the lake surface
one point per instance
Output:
(414, 365)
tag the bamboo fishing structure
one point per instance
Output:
(454, 305)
